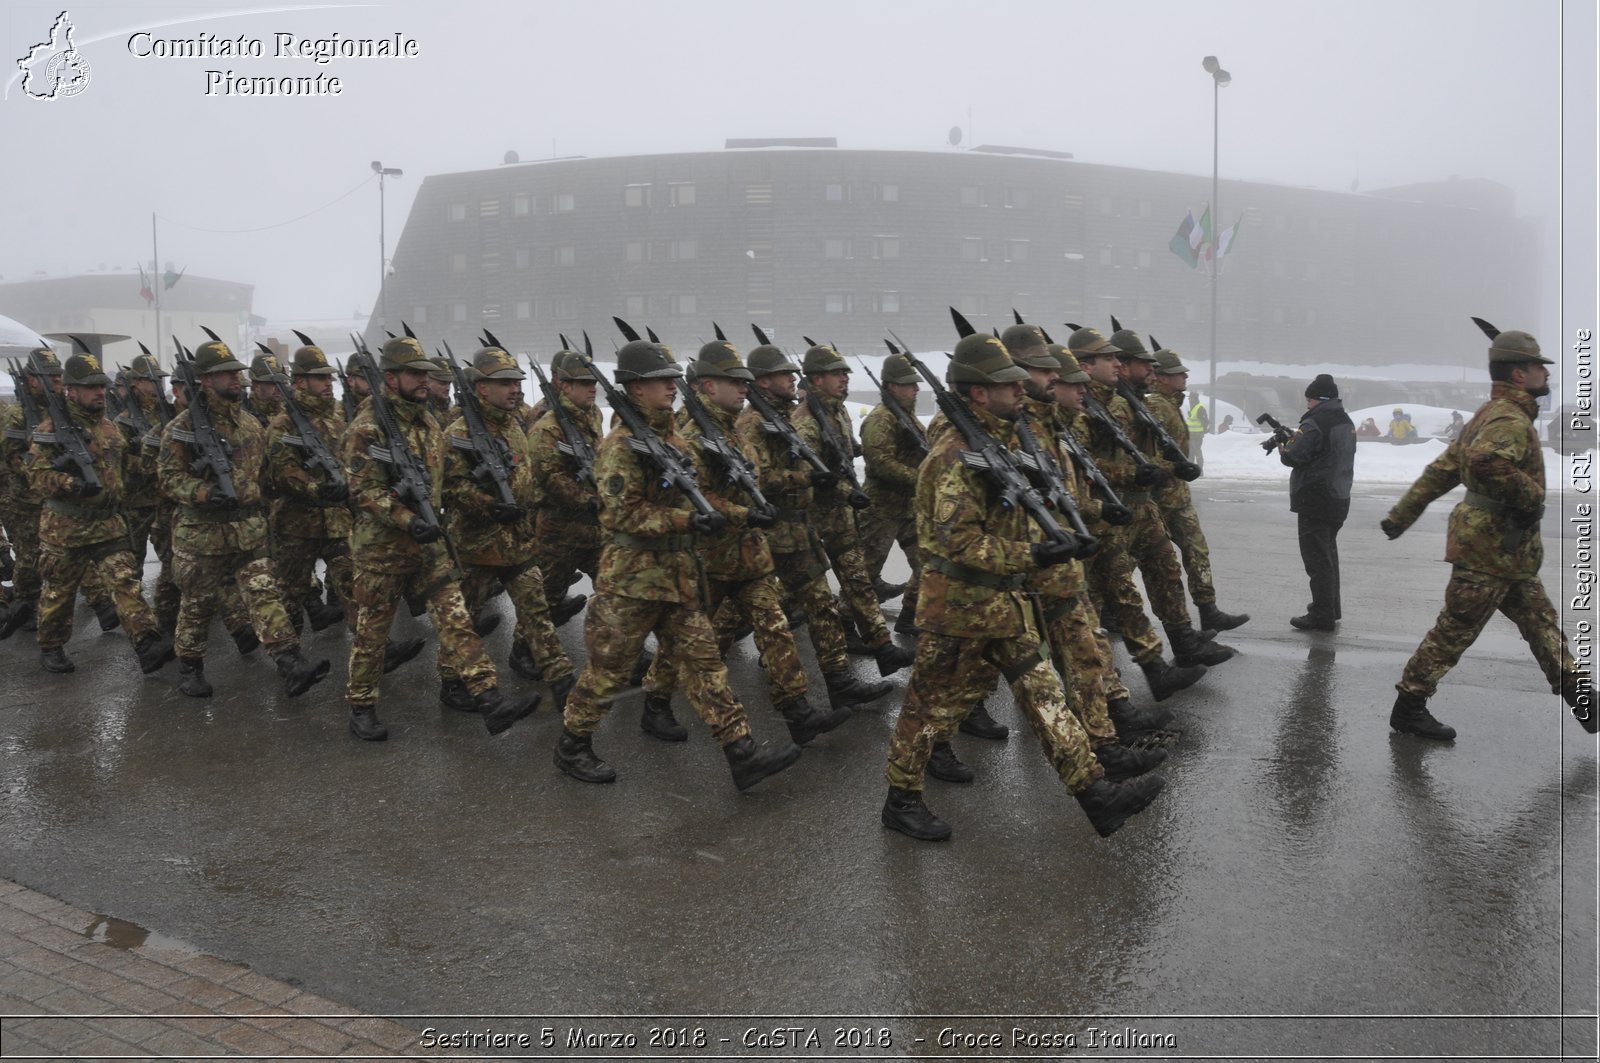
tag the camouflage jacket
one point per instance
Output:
(141, 486)
(1499, 460)
(1168, 409)
(892, 459)
(67, 519)
(14, 490)
(976, 556)
(1144, 437)
(649, 552)
(266, 409)
(380, 536)
(297, 510)
(201, 531)
(831, 512)
(737, 553)
(785, 480)
(480, 540)
(1115, 462)
(565, 500)
(1066, 580)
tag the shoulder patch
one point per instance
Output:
(945, 511)
(615, 484)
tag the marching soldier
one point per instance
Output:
(650, 581)
(893, 455)
(22, 502)
(827, 384)
(142, 486)
(220, 538)
(738, 565)
(1174, 499)
(493, 538)
(976, 622)
(439, 381)
(265, 401)
(395, 551)
(567, 529)
(355, 382)
(1493, 544)
(800, 561)
(81, 528)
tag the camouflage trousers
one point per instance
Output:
(525, 587)
(1114, 594)
(377, 593)
(1469, 601)
(1183, 524)
(760, 603)
(855, 587)
(22, 524)
(1075, 645)
(202, 578)
(614, 632)
(1151, 549)
(804, 579)
(294, 561)
(565, 550)
(168, 598)
(62, 571)
(881, 527)
(953, 674)
(138, 521)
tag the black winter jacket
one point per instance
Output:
(1323, 457)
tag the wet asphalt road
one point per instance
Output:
(1302, 861)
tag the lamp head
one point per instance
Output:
(1209, 62)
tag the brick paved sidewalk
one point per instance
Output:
(134, 994)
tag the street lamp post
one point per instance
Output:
(1220, 78)
(383, 241)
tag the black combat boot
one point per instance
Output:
(1217, 620)
(904, 811)
(299, 673)
(500, 712)
(944, 764)
(105, 610)
(192, 677)
(892, 658)
(561, 690)
(980, 724)
(56, 661)
(167, 623)
(575, 755)
(322, 614)
(1189, 649)
(1410, 716)
(245, 641)
(18, 614)
(846, 689)
(1120, 762)
(485, 623)
(658, 721)
(1165, 680)
(906, 622)
(365, 725)
(568, 608)
(1109, 804)
(854, 644)
(522, 662)
(453, 694)
(750, 763)
(807, 721)
(1309, 622)
(153, 651)
(795, 615)
(885, 591)
(641, 667)
(1129, 720)
(398, 651)
(1578, 692)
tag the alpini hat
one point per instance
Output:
(1020, 337)
(1512, 346)
(264, 369)
(1071, 371)
(310, 361)
(1168, 363)
(213, 356)
(492, 363)
(1130, 346)
(823, 359)
(440, 371)
(567, 366)
(404, 352)
(145, 367)
(767, 359)
(1088, 342)
(897, 369)
(981, 359)
(84, 370)
(643, 360)
(720, 359)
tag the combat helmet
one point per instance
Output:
(1512, 346)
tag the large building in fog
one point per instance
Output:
(841, 245)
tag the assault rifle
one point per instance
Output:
(1047, 476)
(1112, 511)
(902, 417)
(409, 479)
(316, 454)
(572, 444)
(1183, 468)
(163, 400)
(491, 458)
(30, 409)
(210, 449)
(740, 469)
(998, 464)
(74, 453)
(115, 405)
(1280, 434)
(776, 424)
(842, 452)
(133, 413)
(672, 465)
(1148, 471)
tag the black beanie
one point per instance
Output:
(1322, 388)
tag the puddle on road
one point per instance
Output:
(121, 934)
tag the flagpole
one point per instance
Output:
(155, 276)
(1216, 208)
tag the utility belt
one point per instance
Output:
(792, 516)
(72, 509)
(1484, 502)
(658, 543)
(1134, 498)
(978, 577)
(196, 515)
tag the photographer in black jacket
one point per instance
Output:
(1322, 454)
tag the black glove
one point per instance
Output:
(859, 500)
(84, 489)
(1187, 471)
(762, 517)
(1390, 528)
(1151, 476)
(1116, 514)
(1052, 553)
(333, 494)
(423, 532)
(219, 501)
(1088, 547)
(821, 479)
(707, 523)
(505, 512)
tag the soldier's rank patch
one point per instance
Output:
(615, 484)
(357, 463)
(945, 511)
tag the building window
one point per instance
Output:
(1072, 201)
(521, 205)
(972, 195)
(636, 196)
(524, 257)
(835, 248)
(758, 195)
(634, 252)
(885, 247)
(682, 250)
(836, 303)
(491, 262)
(491, 311)
(886, 193)
(524, 309)
(971, 249)
(835, 192)
(419, 314)
(566, 256)
(1016, 250)
(683, 304)
(564, 203)
(458, 263)
(635, 305)
(458, 312)
(1018, 198)
(458, 212)
(682, 194)
(1144, 260)
(489, 208)
(886, 303)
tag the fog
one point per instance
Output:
(1325, 94)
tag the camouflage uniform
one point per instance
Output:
(309, 521)
(141, 486)
(567, 531)
(892, 458)
(1177, 505)
(20, 504)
